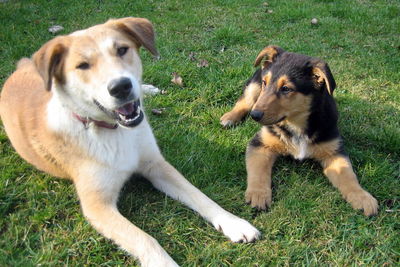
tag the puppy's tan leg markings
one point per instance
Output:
(167, 179)
(259, 161)
(339, 171)
(242, 106)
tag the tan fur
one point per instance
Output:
(27, 126)
(339, 171)
(259, 162)
(269, 53)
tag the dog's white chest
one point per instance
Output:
(118, 149)
(300, 145)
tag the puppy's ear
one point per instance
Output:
(49, 60)
(268, 55)
(139, 30)
(323, 75)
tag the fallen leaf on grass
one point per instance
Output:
(177, 79)
(202, 63)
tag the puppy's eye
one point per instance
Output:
(264, 83)
(285, 90)
(122, 50)
(83, 66)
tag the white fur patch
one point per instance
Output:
(301, 147)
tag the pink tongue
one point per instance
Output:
(126, 110)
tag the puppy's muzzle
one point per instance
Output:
(120, 88)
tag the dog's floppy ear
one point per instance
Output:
(268, 55)
(49, 60)
(139, 30)
(323, 75)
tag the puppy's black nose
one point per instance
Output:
(256, 115)
(120, 88)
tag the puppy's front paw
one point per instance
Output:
(236, 229)
(229, 119)
(259, 198)
(362, 200)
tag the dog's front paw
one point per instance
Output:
(259, 198)
(229, 119)
(362, 200)
(236, 229)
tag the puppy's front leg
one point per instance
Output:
(259, 161)
(98, 197)
(244, 104)
(340, 172)
(167, 179)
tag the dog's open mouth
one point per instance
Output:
(129, 115)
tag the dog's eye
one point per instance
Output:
(284, 90)
(264, 83)
(122, 50)
(83, 66)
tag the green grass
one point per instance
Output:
(309, 223)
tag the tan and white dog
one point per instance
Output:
(74, 110)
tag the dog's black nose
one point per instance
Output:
(256, 115)
(120, 88)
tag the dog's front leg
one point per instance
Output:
(98, 197)
(243, 104)
(259, 161)
(167, 179)
(340, 172)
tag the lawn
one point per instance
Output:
(309, 223)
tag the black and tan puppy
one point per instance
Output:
(291, 96)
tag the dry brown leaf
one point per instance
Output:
(177, 79)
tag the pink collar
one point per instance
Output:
(87, 121)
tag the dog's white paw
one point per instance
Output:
(149, 89)
(236, 229)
